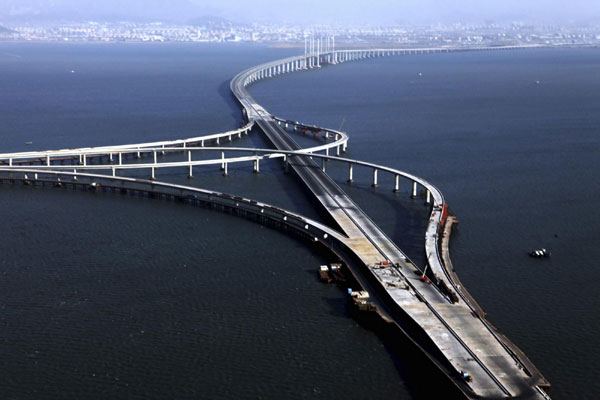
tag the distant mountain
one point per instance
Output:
(211, 21)
(4, 30)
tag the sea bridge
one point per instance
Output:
(436, 313)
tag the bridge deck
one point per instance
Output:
(464, 340)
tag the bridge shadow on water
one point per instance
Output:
(225, 92)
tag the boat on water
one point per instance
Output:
(539, 253)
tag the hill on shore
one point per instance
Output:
(6, 30)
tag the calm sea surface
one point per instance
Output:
(107, 296)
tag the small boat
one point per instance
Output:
(539, 253)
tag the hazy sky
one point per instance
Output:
(309, 11)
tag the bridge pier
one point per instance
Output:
(414, 191)
(375, 184)
(350, 174)
(256, 168)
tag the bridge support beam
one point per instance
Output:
(414, 190)
(375, 184)
(350, 174)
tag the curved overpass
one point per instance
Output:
(438, 317)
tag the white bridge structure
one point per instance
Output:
(437, 314)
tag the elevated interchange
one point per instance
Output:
(440, 317)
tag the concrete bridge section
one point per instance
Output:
(464, 339)
(438, 316)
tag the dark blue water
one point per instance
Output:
(109, 296)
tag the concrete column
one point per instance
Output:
(256, 166)
(337, 150)
(414, 190)
(190, 174)
(326, 152)
(397, 185)
(202, 143)
(375, 184)
(10, 162)
(154, 154)
(225, 173)
(153, 174)
(74, 176)
(84, 160)
(323, 164)
(48, 160)
(350, 175)
(163, 150)
(120, 158)
(428, 198)
(113, 171)
(110, 157)
(139, 155)
(218, 141)
(223, 163)
(184, 144)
